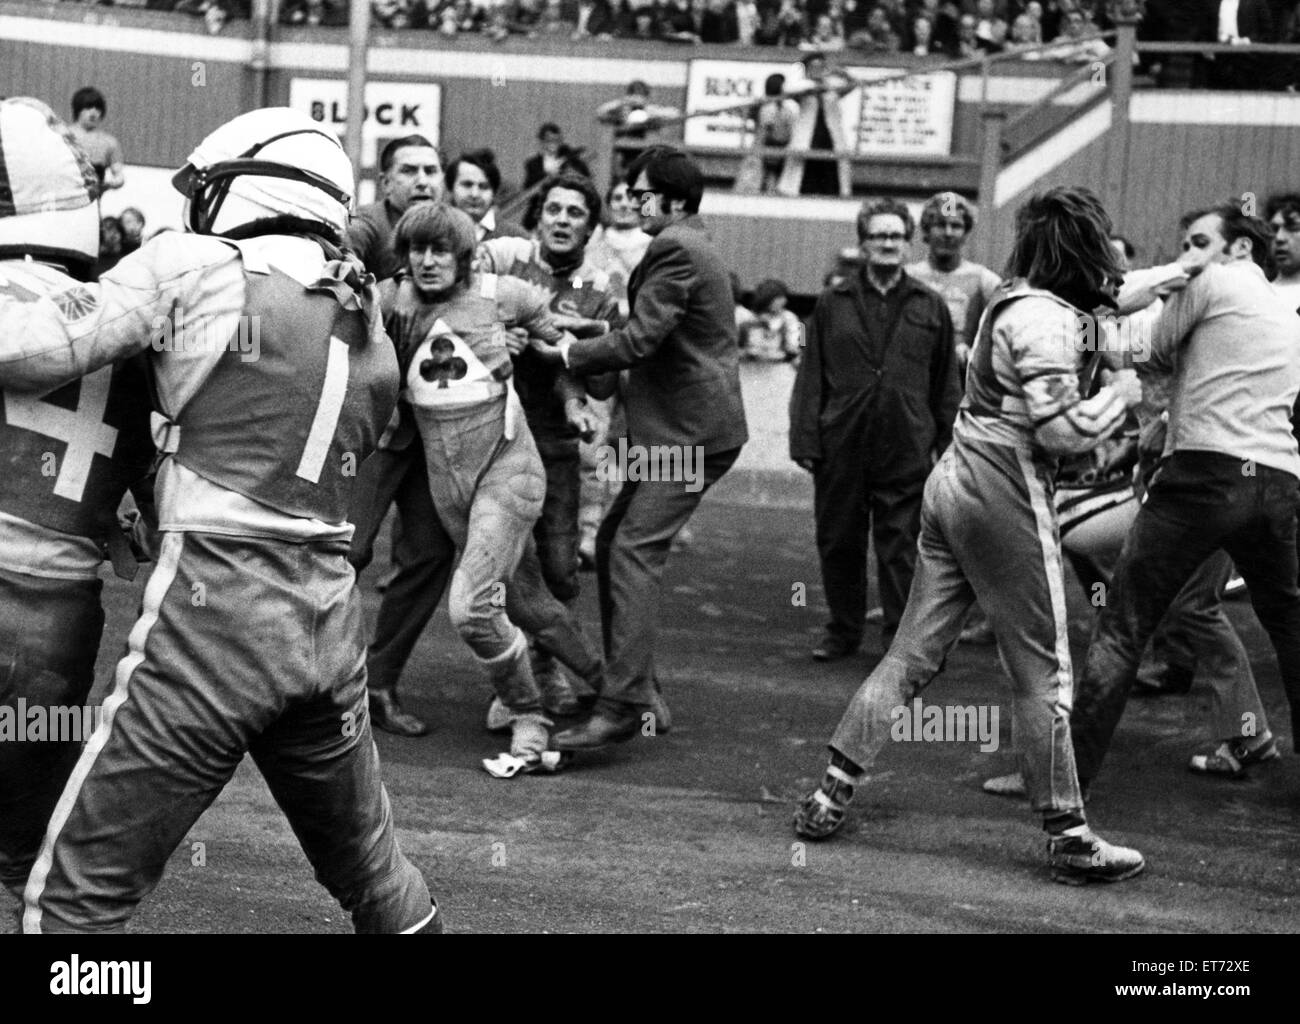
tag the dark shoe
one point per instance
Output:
(600, 730)
(1080, 859)
(833, 648)
(821, 813)
(387, 714)
(1231, 759)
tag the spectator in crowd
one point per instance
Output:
(988, 25)
(89, 109)
(633, 116)
(1025, 34)
(1283, 213)
(552, 157)
(922, 38)
(1178, 21)
(748, 20)
(879, 35)
(1078, 39)
(410, 174)
(618, 245)
(775, 334)
(826, 36)
(473, 181)
(873, 406)
(719, 22)
(461, 17)
(969, 44)
(311, 13)
(775, 118)
(1239, 23)
(782, 25)
(1231, 478)
(110, 245)
(947, 18)
(947, 221)
(595, 19)
(132, 222)
(676, 23)
(390, 13)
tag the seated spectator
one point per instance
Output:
(946, 20)
(460, 17)
(853, 16)
(988, 25)
(639, 21)
(676, 24)
(968, 43)
(826, 36)
(390, 13)
(525, 17)
(922, 36)
(552, 157)
(131, 222)
(781, 25)
(718, 23)
(1025, 34)
(883, 37)
(89, 109)
(595, 19)
(1078, 41)
(311, 13)
(748, 20)
(774, 335)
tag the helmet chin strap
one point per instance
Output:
(211, 185)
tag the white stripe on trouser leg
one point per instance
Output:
(416, 927)
(1043, 517)
(159, 583)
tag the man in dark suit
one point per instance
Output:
(686, 426)
(411, 172)
(873, 405)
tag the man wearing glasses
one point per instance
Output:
(682, 394)
(873, 407)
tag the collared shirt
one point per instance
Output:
(1234, 347)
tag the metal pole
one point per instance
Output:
(1121, 94)
(263, 17)
(358, 45)
(990, 164)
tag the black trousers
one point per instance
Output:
(1198, 503)
(849, 508)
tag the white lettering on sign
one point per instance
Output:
(83, 431)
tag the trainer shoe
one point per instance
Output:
(1085, 857)
(1231, 759)
(832, 648)
(821, 813)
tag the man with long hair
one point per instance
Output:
(988, 529)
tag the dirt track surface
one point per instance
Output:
(690, 832)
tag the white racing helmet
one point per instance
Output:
(48, 190)
(273, 162)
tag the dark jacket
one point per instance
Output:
(680, 346)
(901, 408)
(370, 236)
